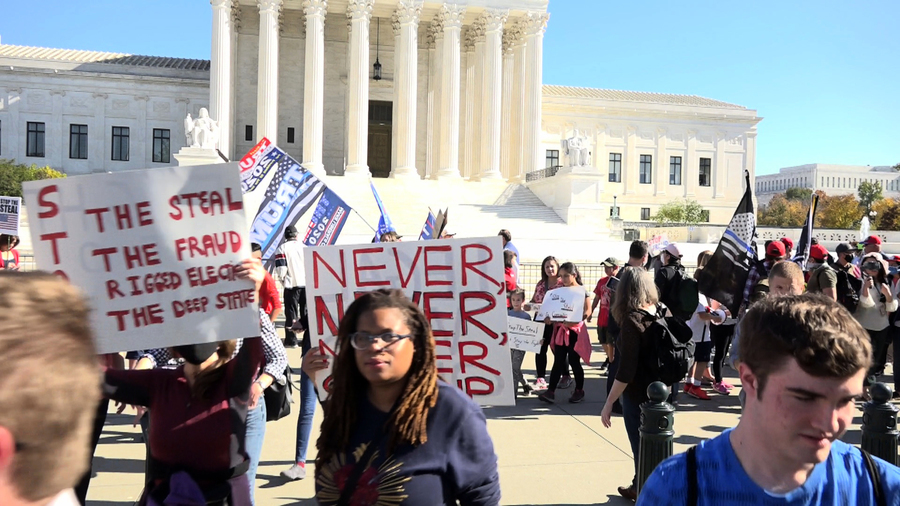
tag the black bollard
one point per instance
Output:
(657, 433)
(879, 427)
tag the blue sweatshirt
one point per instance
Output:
(457, 463)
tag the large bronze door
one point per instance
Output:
(379, 155)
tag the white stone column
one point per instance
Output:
(98, 149)
(220, 72)
(662, 164)
(55, 143)
(451, 19)
(405, 85)
(432, 136)
(492, 93)
(719, 168)
(517, 109)
(474, 170)
(314, 86)
(692, 164)
(14, 149)
(631, 163)
(750, 159)
(267, 84)
(471, 130)
(534, 25)
(506, 148)
(143, 135)
(359, 12)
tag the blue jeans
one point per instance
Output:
(307, 409)
(253, 440)
(631, 411)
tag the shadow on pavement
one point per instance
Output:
(105, 465)
(111, 503)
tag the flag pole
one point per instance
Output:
(364, 220)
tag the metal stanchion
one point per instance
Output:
(657, 431)
(879, 427)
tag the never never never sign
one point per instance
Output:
(154, 250)
(457, 283)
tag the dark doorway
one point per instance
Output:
(379, 158)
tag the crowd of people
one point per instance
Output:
(807, 343)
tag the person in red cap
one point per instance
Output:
(774, 253)
(788, 246)
(822, 277)
(871, 244)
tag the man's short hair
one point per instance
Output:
(505, 235)
(49, 381)
(638, 249)
(255, 246)
(789, 271)
(822, 336)
(517, 291)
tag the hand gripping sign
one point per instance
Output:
(459, 285)
(155, 250)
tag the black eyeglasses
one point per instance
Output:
(362, 340)
(871, 266)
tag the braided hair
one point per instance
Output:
(407, 423)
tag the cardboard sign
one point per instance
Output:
(9, 215)
(155, 251)
(563, 304)
(525, 335)
(459, 285)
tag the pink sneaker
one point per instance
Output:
(721, 388)
(727, 386)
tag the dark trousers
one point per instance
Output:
(721, 337)
(294, 310)
(563, 357)
(611, 378)
(631, 410)
(894, 333)
(540, 361)
(880, 343)
(81, 489)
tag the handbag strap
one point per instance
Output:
(876, 479)
(356, 473)
(691, 476)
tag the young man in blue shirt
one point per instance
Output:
(803, 361)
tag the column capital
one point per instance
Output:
(63, 93)
(468, 39)
(535, 23)
(105, 95)
(273, 6)
(692, 132)
(360, 9)
(452, 16)
(477, 30)
(408, 12)
(435, 32)
(221, 4)
(236, 15)
(136, 97)
(511, 37)
(314, 8)
(494, 19)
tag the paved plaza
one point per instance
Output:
(549, 454)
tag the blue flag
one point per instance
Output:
(384, 223)
(327, 220)
(428, 228)
(291, 193)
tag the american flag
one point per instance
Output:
(725, 275)
(296, 190)
(428, 228)
(9, 223)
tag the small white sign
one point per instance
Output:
(525, 335)
(563, 304)
(9, 215)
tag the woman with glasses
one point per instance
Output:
(876, 303)
(393, 433)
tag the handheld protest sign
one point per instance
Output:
(563, 304)
(525, 335)
(459, 285)
(10, 207)
(154, 250)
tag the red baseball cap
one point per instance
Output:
(775, 249)
(818, 252)
(872, 239)
(789, 244)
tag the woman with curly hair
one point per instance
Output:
(393, 432)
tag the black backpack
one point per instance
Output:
(673, 349)
(682, 295)
(847, 292)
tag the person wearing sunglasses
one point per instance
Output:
(876, 303)
(393, 433)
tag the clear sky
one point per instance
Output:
(824, 74)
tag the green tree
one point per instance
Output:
(897, 167)
(804, 194)
(683, 212)
(869, 193)
(782, 212)
(12, 175)
(841, 211)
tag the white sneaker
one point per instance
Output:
(565, 382)
(541, 384)
(296, 472)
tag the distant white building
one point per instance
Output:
(832, 179)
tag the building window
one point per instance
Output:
(120, 143)
(615, 211)
(646, 169)
(645, 213)
(248, 132)
(78, 142)
(35, 142)
(290, 135)
(705, 171)
(704, 216)
(161, 145)
(675, 170)
(552, 158)
(615, 167)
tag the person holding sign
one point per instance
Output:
(9, 256)
(393, 433)
(198, 451)
(549, 281)
(516, 300)
(570, 341)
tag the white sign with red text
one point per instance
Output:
(154, 250)
(459, 285)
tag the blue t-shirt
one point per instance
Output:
(457, 463)
(842, 480)
(512, 313)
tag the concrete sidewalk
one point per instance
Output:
(549, 454)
